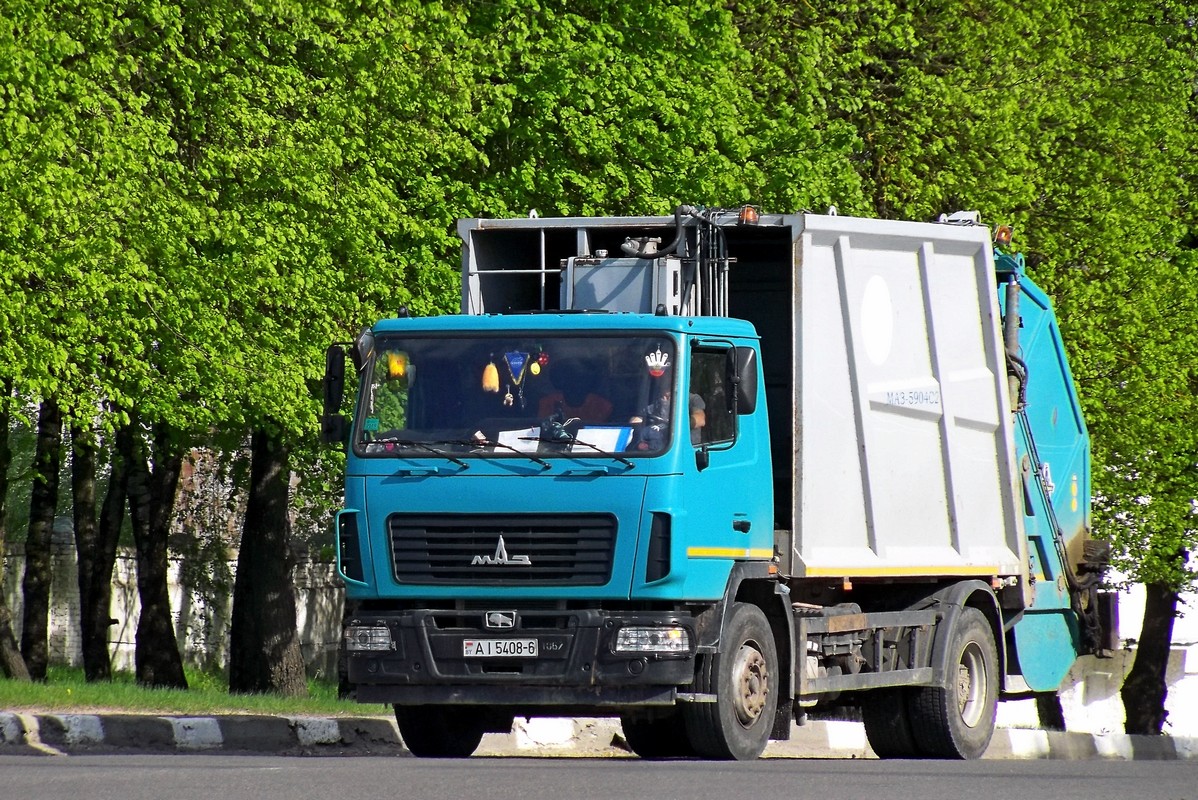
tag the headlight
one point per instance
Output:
(368, 639)
(675, 639)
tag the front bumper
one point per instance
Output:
(576, 665)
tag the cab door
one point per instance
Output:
(729, 503)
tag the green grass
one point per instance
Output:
(65, 690)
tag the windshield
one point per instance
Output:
(516, 396)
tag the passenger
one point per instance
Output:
(654, 421)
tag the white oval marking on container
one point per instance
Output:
(877, 320)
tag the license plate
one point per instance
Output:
(499, 648)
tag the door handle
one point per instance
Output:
(741, 525)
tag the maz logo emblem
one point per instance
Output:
(501, 558)
(501, 619)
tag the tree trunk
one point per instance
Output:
(264, 650)
(97, 661)
(83, 492)
(12, 665)
(95, 547)
(43, 503)
(151, 501)
(1145, 688)
(1048, 708)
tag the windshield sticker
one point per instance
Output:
(370, 424)
(658, 362)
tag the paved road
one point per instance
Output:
(223, 777)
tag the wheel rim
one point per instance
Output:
(971, 686)
(752, 684)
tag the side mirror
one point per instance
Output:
(332, 423)
(363, 348)
(743, 378)
(333, 429)
(334, 378)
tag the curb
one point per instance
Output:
(62, 734)
(65, 734)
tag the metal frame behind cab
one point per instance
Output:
(571, 251)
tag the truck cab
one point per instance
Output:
(537, 507)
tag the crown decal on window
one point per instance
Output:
(658, 362)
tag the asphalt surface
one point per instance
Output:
(61, 734)
(122, 776)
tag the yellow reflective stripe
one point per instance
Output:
(890, 572)
(730, 552)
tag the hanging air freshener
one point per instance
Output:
(540, 362)
(491, 377)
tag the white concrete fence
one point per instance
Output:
(201, 623)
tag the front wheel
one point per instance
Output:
(956, 720)
(440, 731)
(744, 678)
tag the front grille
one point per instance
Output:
(536, 550)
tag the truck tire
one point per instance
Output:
(957, 720)
(657, 737)
(888, 724)
(440, 731)
(744, 678)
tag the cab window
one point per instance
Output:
(711, 417)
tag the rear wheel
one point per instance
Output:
(744, 678)
(957, 720)
(440, 731)
(662, 736)
(888, 724)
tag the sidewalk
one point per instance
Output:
(65, 734)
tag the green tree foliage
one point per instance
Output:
(803, 147)
(599, 107)
(71, 173)
(1114, 227)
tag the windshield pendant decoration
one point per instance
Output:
(517, 367)
(501, 558)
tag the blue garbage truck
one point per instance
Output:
(711, 472)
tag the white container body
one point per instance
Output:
(904, 459)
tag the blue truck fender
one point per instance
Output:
(950, 601)
(751, 582)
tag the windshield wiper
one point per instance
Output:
(423, 446)
(553, 430)
(488, 443)
(575, 440)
